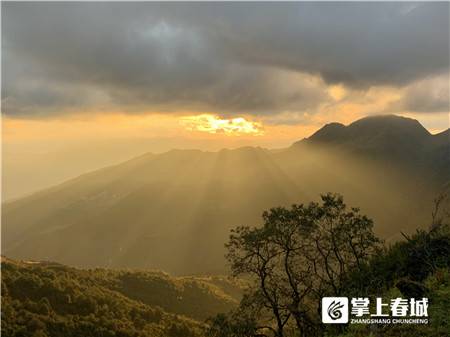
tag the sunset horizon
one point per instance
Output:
(225, 169)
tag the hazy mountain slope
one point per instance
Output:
(173, 211)
(64, 301)
(152, 215)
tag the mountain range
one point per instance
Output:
(173, 211)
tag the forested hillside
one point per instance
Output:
(48, 299)
(286, 266)
(300, 255)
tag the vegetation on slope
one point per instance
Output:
(298, 256)
(47, 299)
(437, 287)
(307, 252)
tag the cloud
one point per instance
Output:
(430, 95)
(252, 58)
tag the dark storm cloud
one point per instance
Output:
(233, 57)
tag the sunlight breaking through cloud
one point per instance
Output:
(214, 124)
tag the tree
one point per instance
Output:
(234, 326)
(299, 255)
(440, 215)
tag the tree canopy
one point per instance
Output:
(303, 253)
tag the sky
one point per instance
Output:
(88, 84)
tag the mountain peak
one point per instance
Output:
(329, 132)
(381, 127)
(390, 121)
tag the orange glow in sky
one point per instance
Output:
(214, 124)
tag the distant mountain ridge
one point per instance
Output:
(174, 211)
(379, 131)
(370, 127)
(391, 138)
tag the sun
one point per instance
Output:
(214, 124)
